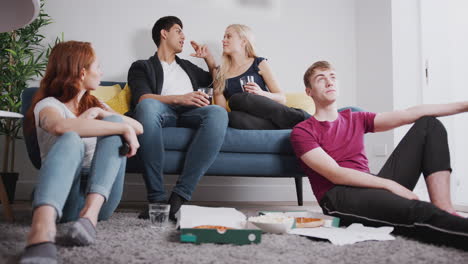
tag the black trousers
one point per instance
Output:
(424, 149)
(251, 111)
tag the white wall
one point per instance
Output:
(291, 34)
(444, 41)
(374, 89)
(459, 54)
(407, 65)
(406, 51)
(406, 39)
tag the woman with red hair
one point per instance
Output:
(82, 172)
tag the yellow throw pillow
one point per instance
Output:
(121, 102)
(105, 93)
(302, 101)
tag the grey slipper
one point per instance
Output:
(41, 253)
(82, 233)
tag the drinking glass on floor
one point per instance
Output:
(159, 215)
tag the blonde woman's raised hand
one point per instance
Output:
(201, 51)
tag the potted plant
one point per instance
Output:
(23, 57)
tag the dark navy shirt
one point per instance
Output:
(233, 85)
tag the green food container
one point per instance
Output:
(229, 236)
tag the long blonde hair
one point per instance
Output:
(226, 62)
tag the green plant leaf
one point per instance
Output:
(11, 51)
(23, 57)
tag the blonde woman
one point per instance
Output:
(260, 103)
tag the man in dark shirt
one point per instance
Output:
(164, 94)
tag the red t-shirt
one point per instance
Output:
(342, 139)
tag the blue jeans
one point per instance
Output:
(211, 123)
(64, 184)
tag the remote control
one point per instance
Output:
(124, 149)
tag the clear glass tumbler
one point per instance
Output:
(159, 214)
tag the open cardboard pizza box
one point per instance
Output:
(215, 225)
(304, 217)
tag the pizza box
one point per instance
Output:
(330, 221)
(220, 225)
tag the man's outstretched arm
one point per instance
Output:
(319, 161)
(389, 120)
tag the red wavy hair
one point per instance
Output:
(62, 77)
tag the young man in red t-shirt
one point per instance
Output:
(330, 146)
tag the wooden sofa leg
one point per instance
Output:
(298, 181)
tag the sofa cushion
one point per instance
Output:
(236, 140)
(105, 92)
(121, 101)
(228, 164)
(302, 101)
(115, 97)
